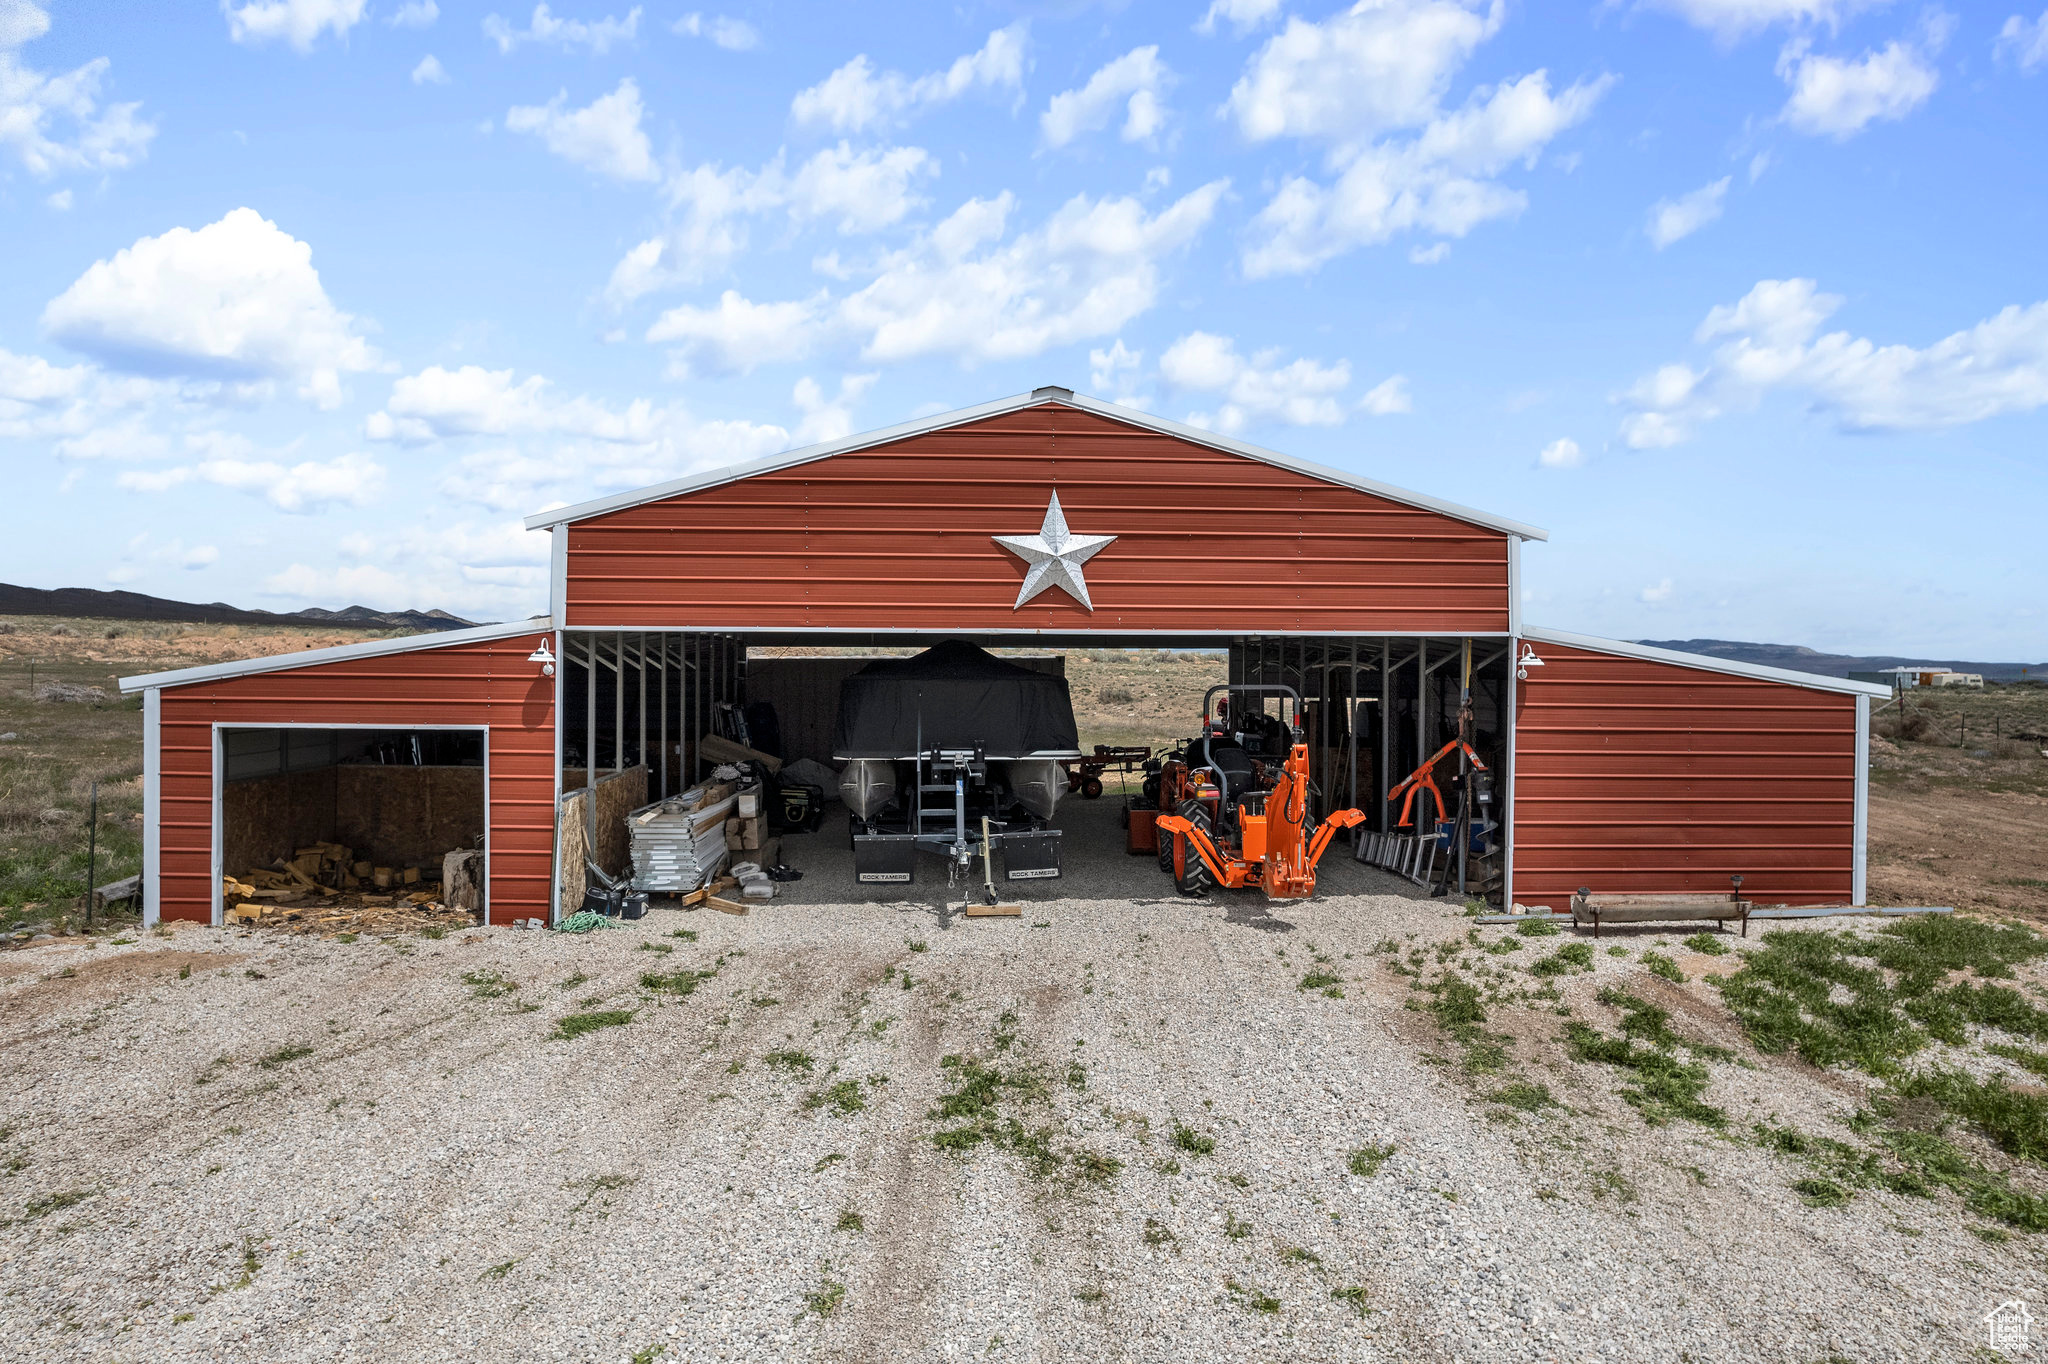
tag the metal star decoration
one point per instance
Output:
(1055, 555)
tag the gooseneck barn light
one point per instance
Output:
(545, 657)
(1527, 661)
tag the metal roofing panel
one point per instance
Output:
(1627, 649)
(712, 478)
(370, 648)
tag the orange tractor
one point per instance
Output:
(1241, 819)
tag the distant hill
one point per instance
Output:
(93, 604)
(1801, 659)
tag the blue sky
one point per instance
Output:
(307, 302)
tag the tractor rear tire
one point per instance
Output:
(1190, 873)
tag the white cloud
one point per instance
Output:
(1241, 15)
(1441, 181)
(415, 14)
(856, 97)
(1114, 368)
(1659, 591)
(1562, 453)
(734, 35)
(1436, 253)
(1387, 398)
(54, 123)
(1771, 341)
(1380, 65)
(347, 480)
(145, 554)
(598, 36)
(37, 397)
(491, 569)
(81, 412)
(429, 70)
(1833, 97)
(1300, 393)
(828, 418)
(297, 22)
(1729, 20)
(1092, 268)
(1674, 219)
(857, 191)
(22, 21)
(605, 136)
(1133, 82)
(2024, 43)
(551, 448)
(1370, 84)
(236, 303)
(60, 201)
(738, 334)
(960, 289)
(439, 404)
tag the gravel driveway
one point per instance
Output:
(254, 1147)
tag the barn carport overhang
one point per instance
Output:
(1359, 591)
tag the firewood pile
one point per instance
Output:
(323, 889)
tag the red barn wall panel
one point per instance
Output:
(484, 683)
(1634, 775)
(897, 537)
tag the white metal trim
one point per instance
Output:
(555, 808)
(1859, 879)
(219, 787)
(1507, 799)
(216, 900)
(152, 807)
(558, 571)
(1514, 587)
(370, 648)
(1131, 416)
(1812, 681)
(1230, 634)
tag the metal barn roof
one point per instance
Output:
(713, 478)
(340, 653)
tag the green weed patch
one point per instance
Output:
(577, 1025)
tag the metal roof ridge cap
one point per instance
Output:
(788, 459)
(1231, 445)
(369, 648)
(1706, 662)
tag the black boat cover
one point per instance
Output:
(957, 696)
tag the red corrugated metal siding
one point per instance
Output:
(488, 683)
(897, 538)
(1632, 775)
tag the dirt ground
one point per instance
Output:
(1959, 814)
(264, 1147)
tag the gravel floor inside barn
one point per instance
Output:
(256, 1147)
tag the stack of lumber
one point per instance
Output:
(678, 844)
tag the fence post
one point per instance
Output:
(92, 853)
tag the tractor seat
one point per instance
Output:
(1235, 762)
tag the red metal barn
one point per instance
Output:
(1620, 767)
